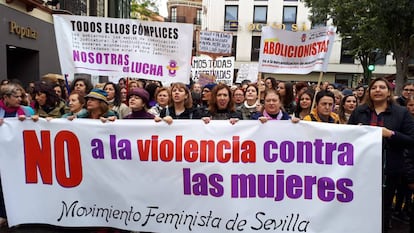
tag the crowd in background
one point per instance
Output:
(268, 99)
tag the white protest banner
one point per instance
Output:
(124, 48)
(301, 52)
(222, 68)
(211, 42)
(193, 177)
(247, 72)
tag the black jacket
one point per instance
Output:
(189, 113)
(397, 119)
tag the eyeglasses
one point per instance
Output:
(409, 90)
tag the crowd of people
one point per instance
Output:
(268, 99)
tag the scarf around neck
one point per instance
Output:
(278, 117)
(19, 110)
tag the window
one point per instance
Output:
(234, 47)
(173, 14)
(347, 56)
(255, 48)
(231, 18)
(198, 17)
(289, 16)
(260, 14)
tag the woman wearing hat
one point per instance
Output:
(138, 100)
(97, 106)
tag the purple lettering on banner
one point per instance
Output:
(280, 185)
(199, 184)
(347, 157)
(217, 189)
(294, 186)
(287, 151)
(309, 182)
(266, 185)
(319, 152)
(242, 184)
(304, 151)
(326, 189)
(318, 144)
(346, 194)
(267, 153)
(97, 149)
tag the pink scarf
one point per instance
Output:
(279, 115)
(19, 110)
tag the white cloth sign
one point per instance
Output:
(222, 68)
(146, 176)
(301, 52)
(124, 48)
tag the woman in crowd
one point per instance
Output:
(124, 93)
(305, 104)
(221, 106)
(76, 103)
(122, 83)
(133, 84)
(272, 108)
(97, 106)
(82, 85)
(251, 102)
(346, 107)
(407, 92)
(238, 98)
(360, 93)
(138, 100)
(181, 106)
(206, 96)
(410, 105)
(300, 88)
(270, 83)
(397, 124)
(196, 88)
(285, 90)
(151, 88)
(114, 100)
(323, 111)
(47, 102)
(11, 96)
(162, 97)
(60, 91)
(338, 98)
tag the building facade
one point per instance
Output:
(27, 39)
(244, 19)
(186, 11)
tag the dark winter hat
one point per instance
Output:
(98, 94)
(141, 92)
(210, 86)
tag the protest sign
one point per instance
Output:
(301, 52)
(124, 48)
(247, 71)
(215, 43)
(189, 176)
(221, 68)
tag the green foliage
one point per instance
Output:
(143, 9)
(370, 26)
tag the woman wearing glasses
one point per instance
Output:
(407, 91)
